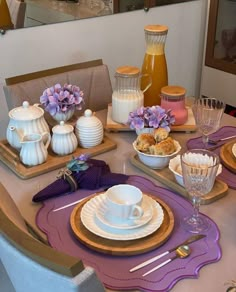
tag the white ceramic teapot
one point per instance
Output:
(33, 150)
(63, 140)
(25, 120)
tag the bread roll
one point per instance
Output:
(165, 147)
(160, 134)
(144, 141)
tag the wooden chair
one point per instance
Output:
(17, 10)
(92, 77)
(32, 265)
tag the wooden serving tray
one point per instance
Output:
(189, 126)
(166, 177)
(120, 247)
(227, 157)
(10, 157)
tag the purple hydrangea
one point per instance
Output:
(150, 117)
(62, 98)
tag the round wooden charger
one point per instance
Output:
(227, 156)
(120, 247)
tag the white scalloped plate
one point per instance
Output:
(94, 225)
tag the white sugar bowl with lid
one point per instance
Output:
(63, 140)
(89, 130)
(24, 120)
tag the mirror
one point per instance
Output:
(221, 36)
(52, 11)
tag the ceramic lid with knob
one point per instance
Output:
(62, 128)
(89, 120)
(26, 112)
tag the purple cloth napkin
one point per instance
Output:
(96, 176)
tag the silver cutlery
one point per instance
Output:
(214, 142)
(151, 260)
(182, 252)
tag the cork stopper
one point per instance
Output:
(127, 70)
(173, 91)
(156, 28)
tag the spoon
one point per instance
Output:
(214, 142)
(181, 252)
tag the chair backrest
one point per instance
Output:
(33, 266)
(92, 77)
(17, 10)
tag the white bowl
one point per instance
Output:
(176, 169)
(156, 161)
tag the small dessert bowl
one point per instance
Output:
(176, 169)
(156, 161)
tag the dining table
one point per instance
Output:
(213, 272)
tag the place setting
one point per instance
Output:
(159, 230)
(122, 221)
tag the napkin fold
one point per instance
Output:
(96, 176)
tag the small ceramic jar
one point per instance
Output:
(64, 140)
(89, 130)
(173, 97)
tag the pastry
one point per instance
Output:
(144, 141)
(160, 134)
(165, 147)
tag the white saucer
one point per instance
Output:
(94, 225)
(106, 217)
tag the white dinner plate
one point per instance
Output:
(94, 225)
(106, 217)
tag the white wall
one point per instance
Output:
(217, 83)
(117, 39)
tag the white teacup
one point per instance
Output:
(124, 201)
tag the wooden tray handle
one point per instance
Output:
(9, 155)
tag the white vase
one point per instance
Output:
(144, 130)
(64, 116)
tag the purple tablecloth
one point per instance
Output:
(114, 270)
(226, 176)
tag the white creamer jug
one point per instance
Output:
(33, 150)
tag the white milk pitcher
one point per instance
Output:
(127, 95)
(33, 150)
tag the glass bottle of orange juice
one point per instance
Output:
(154, 63)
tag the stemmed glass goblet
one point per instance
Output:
(208, 113)
(199, 168)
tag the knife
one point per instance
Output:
(151, 260)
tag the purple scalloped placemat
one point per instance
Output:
(113, 271)
(226, 176)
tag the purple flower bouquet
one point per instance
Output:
(151, 117)
(60, 99)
